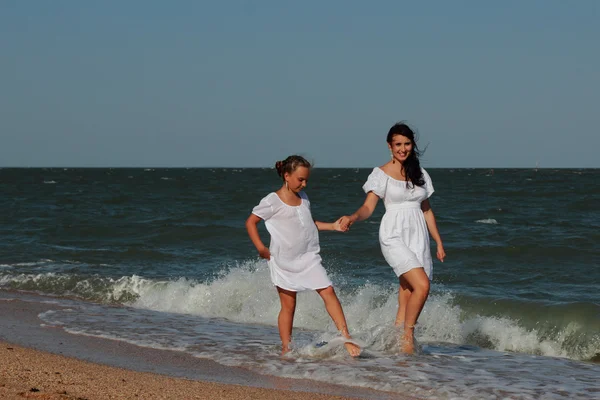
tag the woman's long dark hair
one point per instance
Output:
(412, 166)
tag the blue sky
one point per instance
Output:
(245, 83)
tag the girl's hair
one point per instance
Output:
(412, 167)
(290, 164)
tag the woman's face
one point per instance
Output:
(298, 179)
(401, 147)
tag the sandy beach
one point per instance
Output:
(42, 362)
(27, 373)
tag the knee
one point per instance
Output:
(328, 295)
(288, 308)
(327, 292)
(423, 287)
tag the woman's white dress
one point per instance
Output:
(403, 234)
(295, 262)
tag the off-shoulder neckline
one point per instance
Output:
(394, 179)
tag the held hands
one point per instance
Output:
(342, 225)
(264, 253)
(345, 223)
(337, 226)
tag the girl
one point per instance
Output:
(293, 255)
(405, 188)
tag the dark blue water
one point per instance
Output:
(520, 285)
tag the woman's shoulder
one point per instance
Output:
(428, 182)
(384, 167)
(376, 182)
(380, 172)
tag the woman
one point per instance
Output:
(405, 188)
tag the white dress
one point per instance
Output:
(403, 233)
(295, 262)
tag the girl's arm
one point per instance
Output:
(329, 226)
(251, 227)
(363, 212)
(433, 230)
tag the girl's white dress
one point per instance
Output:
(295, 262)
(403, 234)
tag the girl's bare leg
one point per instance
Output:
(418, 282)
(286, 317)
(334, 308)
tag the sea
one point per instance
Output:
(160, 258)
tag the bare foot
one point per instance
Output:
(407, 340)
(284, 350)
(353, 349)
(408, 345)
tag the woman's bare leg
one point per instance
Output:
(418, 282)
(403, 296)
(286, 317)
(334, 308)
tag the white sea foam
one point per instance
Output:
(245, 295)
(490, 221)
(49, 182)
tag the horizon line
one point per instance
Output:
(238, 167)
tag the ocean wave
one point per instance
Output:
(244, 294)
(490, 221)
(27, 264)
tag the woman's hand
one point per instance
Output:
(441, 254)
(345, 223)
(264, 253)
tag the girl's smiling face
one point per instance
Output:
(297, 180)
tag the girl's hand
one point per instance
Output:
(337, 226)
(264, 253)
(441, 254)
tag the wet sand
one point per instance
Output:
(27, 373)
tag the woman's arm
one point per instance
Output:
(433, 229)
(363, 212)
(251, 227)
